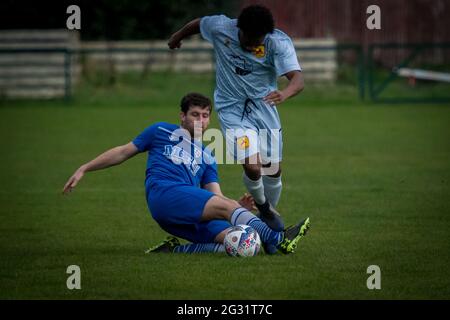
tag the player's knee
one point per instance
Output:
(272, 170)
(219, 207)
(253, 171)
(233, 204)
(228, 207)
(277, 173)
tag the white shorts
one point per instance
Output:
(252, 127)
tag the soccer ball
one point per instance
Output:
(242, 241)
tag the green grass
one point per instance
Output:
(375, 180)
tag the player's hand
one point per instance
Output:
(275, 97)
(247, 202)
(174, 42)
(73, 181)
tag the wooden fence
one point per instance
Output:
(46, 63)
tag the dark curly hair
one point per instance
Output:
(195, 99)
(256, 21)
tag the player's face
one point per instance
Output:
(195, 120)
(249, 43)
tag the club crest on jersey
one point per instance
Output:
(243, 142)
(259, 51)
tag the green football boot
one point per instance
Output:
(292, 235)
(166, 246)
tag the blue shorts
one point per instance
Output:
(178, 210)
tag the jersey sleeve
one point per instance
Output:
(209, 25)
(286, 57)
(210, 174)
(144, 140)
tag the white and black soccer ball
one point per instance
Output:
(242, 241)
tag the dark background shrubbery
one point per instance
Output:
(111, 19)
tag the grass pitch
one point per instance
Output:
(374, 179)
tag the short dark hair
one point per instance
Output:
(195, 99)
(256, 21)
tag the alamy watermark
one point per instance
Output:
(74, 280)
(73, 22)
(373, 22)
(374, 280)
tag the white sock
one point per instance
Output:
(272, 189)
(255, 188)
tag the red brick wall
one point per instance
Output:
(345, 20)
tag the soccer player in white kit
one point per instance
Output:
(250, 55)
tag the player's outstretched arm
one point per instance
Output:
(189, 29)
(107, 159)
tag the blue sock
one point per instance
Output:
(199, 248)
(243, 216)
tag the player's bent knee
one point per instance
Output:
(253, 171)
(219, 207)
(229, 206)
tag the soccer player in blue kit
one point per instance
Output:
(182, 186)
(250, 55)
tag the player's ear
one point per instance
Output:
(182, 116)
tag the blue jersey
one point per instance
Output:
(241, 74)
(175, 158)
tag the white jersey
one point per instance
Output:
(240, 74)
